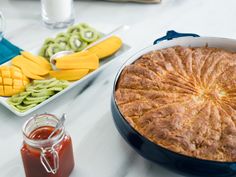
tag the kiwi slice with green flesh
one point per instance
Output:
(26, 102)
(76, 43)
(73, 29)
(62, 41)
(37, 92)
(17, 99)
(49, 41)
(89, 35)
(36, 99)
(53, 48)
(63, 35)
(83, 26)
(44, 92)
(56, 89)
(36, 82)
(23, 108)
(43, 51)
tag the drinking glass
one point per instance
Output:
(2, 25)
(57, 13)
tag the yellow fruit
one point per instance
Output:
(12, 80)
(69, 75)
(89, 61)
(31, 76)
(107, 47)
(26, 64)
(2, 91)
(75, 55)
(37, 59)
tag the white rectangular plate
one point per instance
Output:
(87, 78)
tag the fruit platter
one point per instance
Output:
(32, 79)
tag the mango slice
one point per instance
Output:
(69, 75)
(90, 61)
(76, 55)
(12, 80)
(37, 59)
(30, 75)
(107, 47)
(26, 64)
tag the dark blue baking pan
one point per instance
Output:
(179, 163)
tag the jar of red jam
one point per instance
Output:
(43, 154)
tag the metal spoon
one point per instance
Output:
(59, 125)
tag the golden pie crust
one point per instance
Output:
(183, 99)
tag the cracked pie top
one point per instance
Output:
(183, 99)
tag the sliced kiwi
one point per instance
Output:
(63, 35)
(43, 51)
(83, 26)
(17, 99)
(44, 92)
(49, 41)
(88, 35)
(53, 84)
(76, 43)
(76, 39)
(53, 48)
(23, 108)
(73, 29)
(62, 41)
(35, 88)
(56, 89)
(36, 82)
(36, 99)
(37, 92)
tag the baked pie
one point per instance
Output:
(183, 99)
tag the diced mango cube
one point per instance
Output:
(4, 67)
(1, 90)
(16, 74)
(17, 82)
(12, 80)
(6, 73)
(18, 87)
(8, 90)
(7, 81)
(25, 82)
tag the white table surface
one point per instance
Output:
(98, 148)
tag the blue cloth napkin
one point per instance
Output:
(7, 50)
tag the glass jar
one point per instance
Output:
(43, 156)
(57, 13)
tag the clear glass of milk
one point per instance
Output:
(57, 13)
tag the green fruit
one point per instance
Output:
(73, 29)
(76, 43)
(36, 93)
(53, 48)
(62, 42)
(83, 26)
(23, 108)
(63, 35)
(88, 35)
(43, 51)
(48, 41)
